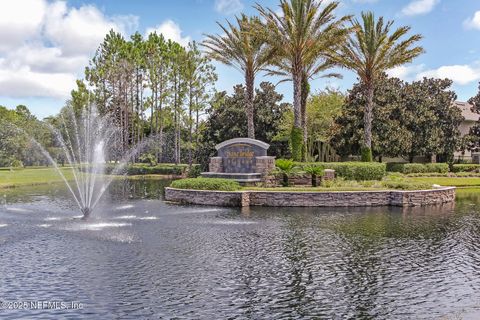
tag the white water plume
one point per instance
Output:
(86, 140)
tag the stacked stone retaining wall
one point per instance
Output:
(312, 199)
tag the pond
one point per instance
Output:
(142, 258)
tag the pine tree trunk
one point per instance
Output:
(175, 141)
(249, 96)
(190, 125)
(160, 116)
(197, 137)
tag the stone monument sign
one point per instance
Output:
(242, 159)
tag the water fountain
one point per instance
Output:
(85, 140)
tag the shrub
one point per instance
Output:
(194, 171)
(148, 158)
(470, 167)
(314, 171)
(158, 169)
(437, 167)
(286, 167)
(16, 163)
(206, 184)
(366, 154)
(417, 167)
(352, 170)
(141, 169)
(398, 182)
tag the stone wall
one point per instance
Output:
(264, 164)
(215, 164)
(312, 199)
(207, 197)
(422, 197)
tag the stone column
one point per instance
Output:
(264, 164)
(328, 174)
(215, 164)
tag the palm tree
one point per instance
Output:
(305, 32)
(242, 48)
(316, 69)
(370, 51)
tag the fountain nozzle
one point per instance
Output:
(86, 213)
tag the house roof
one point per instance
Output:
(467, 112)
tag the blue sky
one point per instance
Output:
(44, 45)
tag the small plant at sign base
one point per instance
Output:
(286, 167)
(314, 171)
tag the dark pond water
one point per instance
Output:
(142, 258)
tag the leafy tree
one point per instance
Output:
(433, 122)
(409, 120)
(322, 109)
(390, 137)
(227, 120)
(370, 51)
(303, 35)
(200, 75)
(17, 129)
(151, 86)
(242, 48)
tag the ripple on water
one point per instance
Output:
(134, 217)
(95, 226)
(3, 225)
(126, 217)
(124, 207)
(53, 218)
(231, 222)
(19, 210)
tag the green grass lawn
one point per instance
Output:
(32, 176)
(42, 175)
(313, 189)
(449, 181)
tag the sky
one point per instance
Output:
(45, 45)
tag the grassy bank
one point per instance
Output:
(42, 175)
(32, 176)
(314, 189)
(449, 181)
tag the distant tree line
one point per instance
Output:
(152, 86)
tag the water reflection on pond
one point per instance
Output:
(144, 258)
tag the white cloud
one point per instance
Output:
(228, 6)
(24, 82)
(407, 73)
(460, 74)
(170, 30)
(20, 20)
(77, 31)
(365, 1)
(474, 22)
(44, 45)
(417, 7)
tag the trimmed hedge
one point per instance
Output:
(464, 167)
(217, 184)
(351, 170)
(164, 169)
(417, 167)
